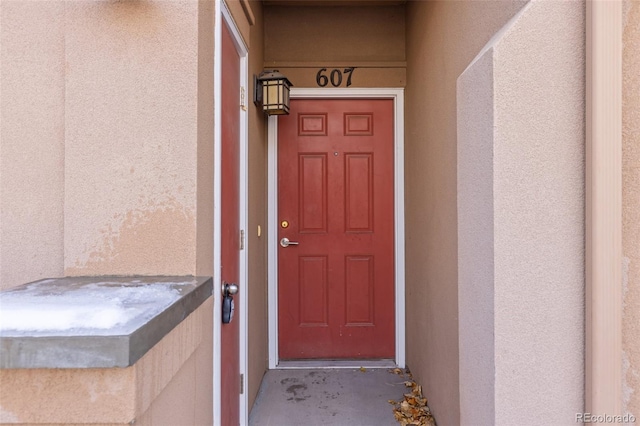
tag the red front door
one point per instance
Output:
(230, 226)
(335, 199)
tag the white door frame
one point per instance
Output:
(222, 14)
(397, 94)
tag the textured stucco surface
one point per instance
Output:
(299, 41)
(31, 141)
(317, 34)
(476, 269)
(130, 140)
(204, 210)
(442, 39)
(107, 138)
(521, 238)
(240, 19)
(67, 395)
(631, 208)
(176, 387)
(179, 366)
(106, 168)
(538, 216)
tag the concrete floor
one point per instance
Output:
(327, 397)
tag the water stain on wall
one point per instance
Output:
(156, 240)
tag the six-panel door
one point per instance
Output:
(336, 200)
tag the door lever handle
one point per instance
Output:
(286, 243)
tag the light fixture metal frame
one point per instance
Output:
(268, 85)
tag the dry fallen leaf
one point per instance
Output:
(413, 410)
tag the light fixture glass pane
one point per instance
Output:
(272, 97)
(280, 95)
(265, 96)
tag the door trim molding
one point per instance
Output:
(222, 14)
(397, 94)
(603, 299)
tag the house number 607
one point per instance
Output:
(335, 77)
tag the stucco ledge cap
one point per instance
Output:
(93, 322)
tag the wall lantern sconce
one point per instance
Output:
(271, 90)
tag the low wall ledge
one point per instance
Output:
(93, 322)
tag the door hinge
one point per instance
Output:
(243, 105)
(242, 239)
(241, 384)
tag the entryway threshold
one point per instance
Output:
(336, 363)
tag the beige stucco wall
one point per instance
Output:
(476, 230)
(32, 131)
(299, 41)
(131, 96)
(242, 19)
(521, 221)
(442, 39)
(170, 385)
(204, 207)
(107, 139)
(631, 208)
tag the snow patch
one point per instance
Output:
(96, 306)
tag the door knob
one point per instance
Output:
(286, 243)
(227, 301)
(229, 289)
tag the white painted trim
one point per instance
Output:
(243, 294)
(351, 93)
(399, 229)
(603, 363)
(217, 201)
(244, 254)
(272, 244)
